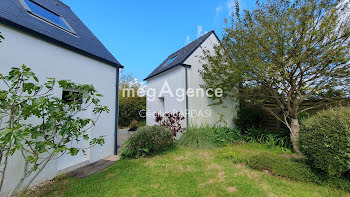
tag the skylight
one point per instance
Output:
(46, 14)
(171, 60)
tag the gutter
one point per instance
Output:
(186, 87)
(116, 113)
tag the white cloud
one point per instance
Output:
(219, 9)
(187, 40)
(199, 32)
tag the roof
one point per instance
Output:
(80, 40)
(181, 56)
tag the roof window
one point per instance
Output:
(46, 15)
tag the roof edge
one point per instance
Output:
(181, 63)
(57, 42)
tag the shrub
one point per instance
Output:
(272, 140)
(299, 170)
(129, 109)
(282, 166)
(197, 138)
(209, 137)
(325, 140)
(148, 141)
(171, 122)
(248, 116)
(225, 135)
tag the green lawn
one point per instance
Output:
(188, 172)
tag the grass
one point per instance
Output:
(187, 171)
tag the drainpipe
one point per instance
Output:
(116, 114)
(186, 86)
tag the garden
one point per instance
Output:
(219, 161)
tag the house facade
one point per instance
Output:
(180, 71)
(50, 39)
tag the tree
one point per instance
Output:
(281, 53)
(130, 103)
(40, 126)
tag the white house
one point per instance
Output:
(49, 38)
(180, 71)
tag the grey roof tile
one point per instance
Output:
(181, 56)
(13, 13)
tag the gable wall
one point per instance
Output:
(47, 60)
(176, 79)
(219, 114)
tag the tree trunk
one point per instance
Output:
(294, 135)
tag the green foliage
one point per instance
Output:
(39, 125)
(282, 166)
(325, 140)
(148, 141)
(209, 137)
(298, 170)
(249, 116)
(281, 53)
(129, 108)
(197, 138)
(273, 140)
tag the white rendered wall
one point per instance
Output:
(223, 114)
(176, 79)
(48, 60)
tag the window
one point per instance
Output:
(46, 15)
(161, 105)
(72, 96)
(171, 60)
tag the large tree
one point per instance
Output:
(282, 53)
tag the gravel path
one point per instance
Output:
(123, 136)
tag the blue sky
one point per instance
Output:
(141, 34)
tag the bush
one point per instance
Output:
(129, 109)
(248, 116)
(272, 140)
(209, 137)
(197, 138)
(325, 140)
(298, 170)
(171, 121)
(225, 135)
(282, 166)
(148, 141)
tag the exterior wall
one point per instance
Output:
(47, 60)
(200, 113)
(219, 114)
(176, 79)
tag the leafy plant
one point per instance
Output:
(209, 137)
(297, 170)
(171, 121)
(249, 116)
(280, 54)
(325, 140)
(148, 141)
(198, 138)
(271, 140)
(282, 166)
(39, 125)
(130, 108)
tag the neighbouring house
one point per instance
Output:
(49, 38)
(180, 71)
